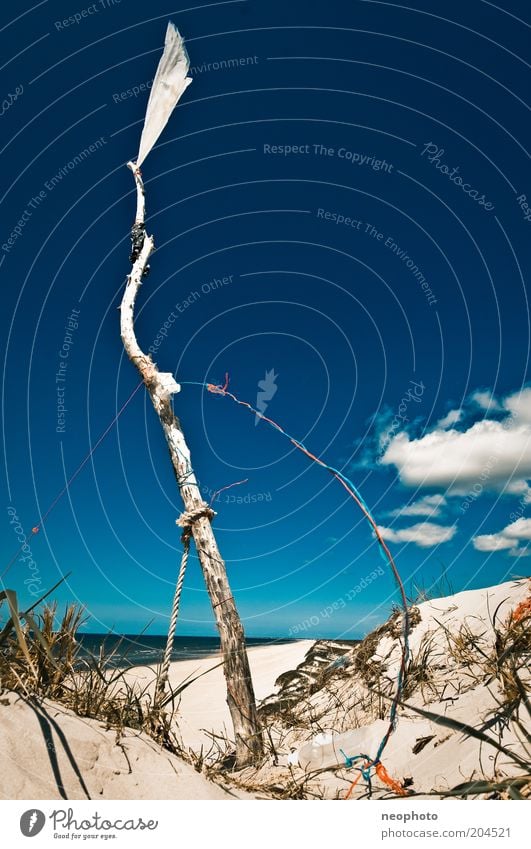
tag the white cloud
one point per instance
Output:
(485, 400)
(507, 539)
(430, 505)
(449, 419)
(424, 534)
(519, 405)
(493, 453)
(492, 542)
(520, 552)
(521, 529)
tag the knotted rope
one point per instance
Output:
(185, 521)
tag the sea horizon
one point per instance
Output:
(147, 649)
(125, 650)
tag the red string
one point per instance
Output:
(222, 390)
(38, 526)
(224, 488)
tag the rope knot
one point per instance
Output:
(187, 519)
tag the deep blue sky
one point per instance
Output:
(339, 317)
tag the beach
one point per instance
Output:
(202, 707)
(51, 753)
(460, 729)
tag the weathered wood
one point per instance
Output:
(161, 386)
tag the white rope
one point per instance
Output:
(186, 521)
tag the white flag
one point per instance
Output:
(169, 84)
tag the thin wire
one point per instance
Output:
(36, 528)
(384, 549)
(348, 485)
(224, 488)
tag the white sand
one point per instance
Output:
(202, 706)
(459, 687)
(50, 753)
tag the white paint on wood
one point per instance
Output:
(240, 694)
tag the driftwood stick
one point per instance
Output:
(161, 386)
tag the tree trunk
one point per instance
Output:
(161, 386)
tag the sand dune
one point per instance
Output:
(50, 753)
(202, 707)
(463, 650)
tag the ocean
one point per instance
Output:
(139, 650)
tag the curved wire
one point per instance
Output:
(385, 553)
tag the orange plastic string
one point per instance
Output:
(384, 776)
(352, 786)
(522, 611)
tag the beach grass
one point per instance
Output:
(41, 658)
(466, 659)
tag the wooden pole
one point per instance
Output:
(161, 386)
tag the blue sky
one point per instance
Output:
(340, 198)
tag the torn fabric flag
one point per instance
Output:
(168, 85)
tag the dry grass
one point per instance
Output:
(419, 673)
(40, 657)
(478, 654)
(505, 660)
